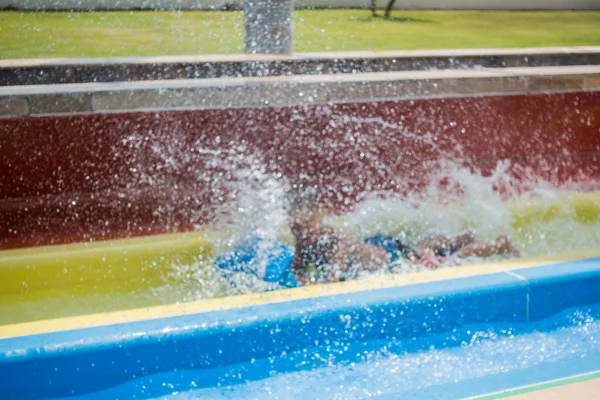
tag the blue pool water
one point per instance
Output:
(467, 361)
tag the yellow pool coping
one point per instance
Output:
(224, 303)
(130, 263)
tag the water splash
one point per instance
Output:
(248, 189)
(252, 207)
(458, 198)
(469, 200)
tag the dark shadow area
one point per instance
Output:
(395, 19)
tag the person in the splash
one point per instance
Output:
(328, 254)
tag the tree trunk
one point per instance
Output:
(374, 7)
(388, 10)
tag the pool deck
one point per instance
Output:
(581, 390)
(582, 387)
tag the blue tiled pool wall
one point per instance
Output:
(88, 360)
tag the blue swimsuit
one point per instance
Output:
(279, 258)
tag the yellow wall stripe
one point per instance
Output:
(377, 282)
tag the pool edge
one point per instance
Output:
(289, 295)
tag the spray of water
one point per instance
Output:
(466, 200)
(250, 194)
(252, 207)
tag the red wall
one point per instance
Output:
(72, 178)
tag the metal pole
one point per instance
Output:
(268, 26)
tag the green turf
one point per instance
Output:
(97, 34)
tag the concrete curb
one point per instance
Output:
(61, 71)
(290, 90)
